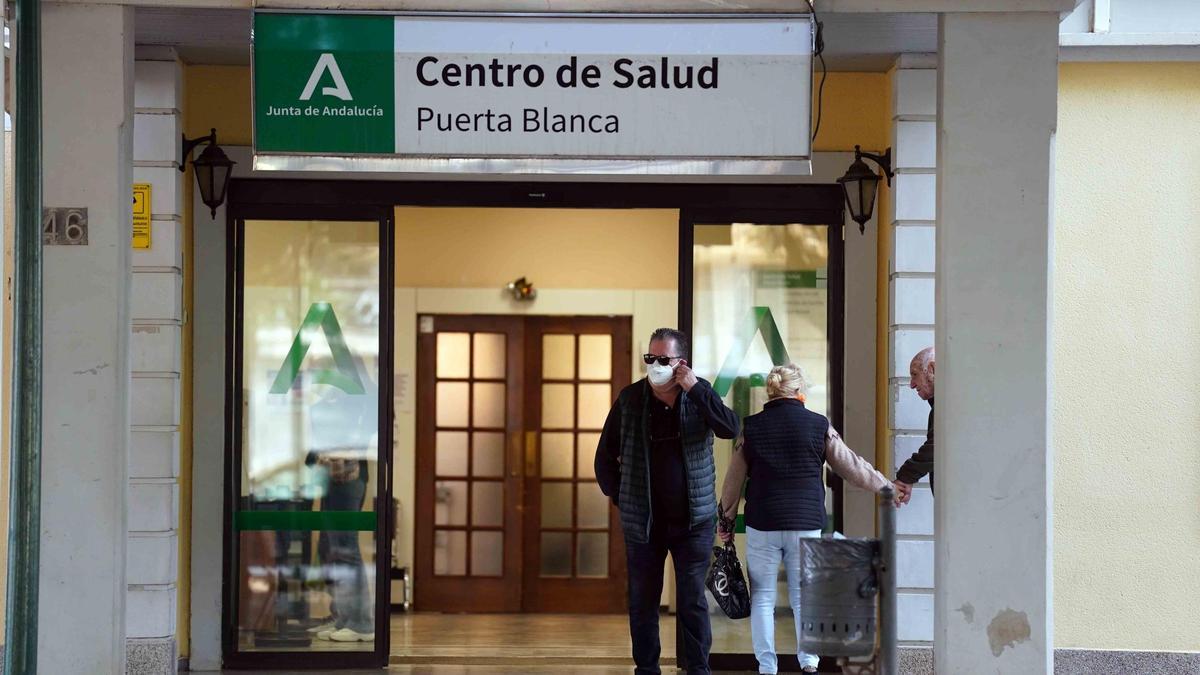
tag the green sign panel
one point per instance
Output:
(324, 83)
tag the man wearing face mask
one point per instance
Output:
(655, 462)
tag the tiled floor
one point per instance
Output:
(474, 644)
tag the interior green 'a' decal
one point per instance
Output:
(757, 319)
(345, 377)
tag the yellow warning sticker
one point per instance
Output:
(141, 215)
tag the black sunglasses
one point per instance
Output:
(662, 360)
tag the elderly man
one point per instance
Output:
(921, 462)
(655, 461)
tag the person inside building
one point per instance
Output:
(921, 462)
(783, 450)
(655, 461)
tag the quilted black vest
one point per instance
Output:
(785, 450)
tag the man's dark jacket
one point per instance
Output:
(921, 462)
(623, 459)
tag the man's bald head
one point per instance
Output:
(921, 373)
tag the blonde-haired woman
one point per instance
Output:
(781, 451)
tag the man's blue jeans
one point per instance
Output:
(691, 551)
(764, 552)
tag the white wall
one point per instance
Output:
(911, 213)
(155, 356)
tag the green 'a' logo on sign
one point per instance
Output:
(758, 319)
(345, 377)
(324, 83)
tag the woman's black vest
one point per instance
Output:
(785, 450)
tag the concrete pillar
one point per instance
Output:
(911, 216)
(997, 102)
(87, 103)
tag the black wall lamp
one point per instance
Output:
(212, 167)
(860, 184)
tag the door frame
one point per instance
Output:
(308, 198)
(836, 323)
(232, 656)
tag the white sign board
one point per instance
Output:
(603, 88)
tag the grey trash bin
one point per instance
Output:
(839, 586)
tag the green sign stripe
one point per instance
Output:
(317, 521)
(758, 319)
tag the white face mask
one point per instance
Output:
(659, 375)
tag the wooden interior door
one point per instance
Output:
(470, 410)
(574, 551)
(509, 515)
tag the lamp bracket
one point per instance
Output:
(884, 161)
(190, 145)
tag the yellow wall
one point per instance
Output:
(553, 248)
(1127, 357)
(855, 112)
(218, 97)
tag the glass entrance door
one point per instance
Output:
(762, 290)
(308, 478)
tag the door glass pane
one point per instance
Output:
(451, 453)
(558, 357)
(556, 505)
(450, 503)
(593, 554)
(556, 554)
(744, 274)
(593, 505)
(489, 405)
(305, 519)
(487, 503)
(489, 356)
(595, 400)
(450, 552)
(558, 406)
(760, 298)
(585, 450)
(595, 357)
(452, 404)
(489, 454)
(453, 355)
(556, 455)
(487, 554)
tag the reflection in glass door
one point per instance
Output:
(763, 294)
(306, 469)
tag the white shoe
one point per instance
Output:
(331, 626)
(347, 635)
(326, 634)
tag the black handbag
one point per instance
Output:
(725, 579)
